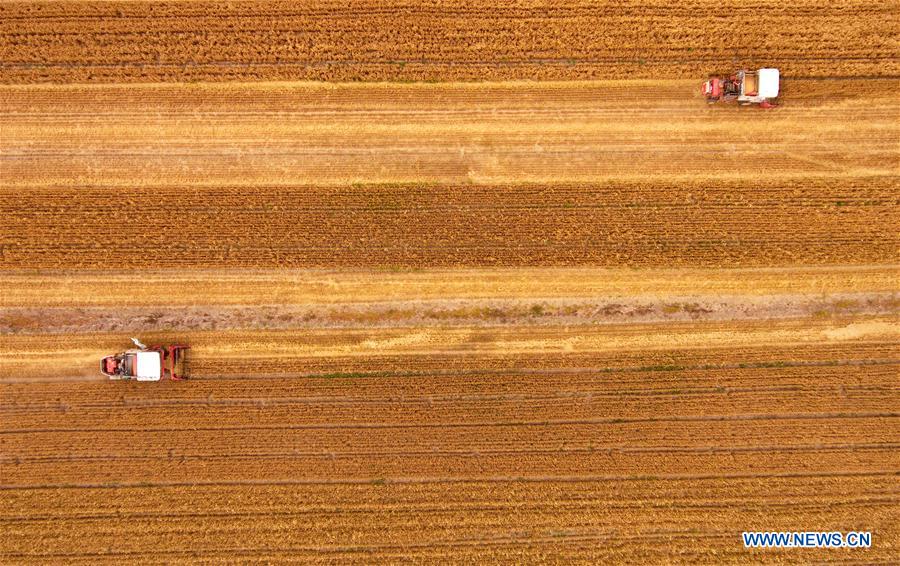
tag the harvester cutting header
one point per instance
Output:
(747, 87)
(146, 363)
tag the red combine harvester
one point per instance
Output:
(146, 363)
(747, 87)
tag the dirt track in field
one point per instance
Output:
(583, 320)
(273, 300)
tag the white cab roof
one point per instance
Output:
(768, 83)
(147, 366)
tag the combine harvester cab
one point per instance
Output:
(746, 87)
(146, 363)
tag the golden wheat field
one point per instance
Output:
(464, 282)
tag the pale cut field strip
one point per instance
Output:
(307, 287)
(29, 356)
(487, 133)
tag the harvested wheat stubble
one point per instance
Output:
(648, 453)
(854, 457)
(397, 521)
(660, 464)
(593, 411)
(373, 40)
(861, 365)
(579, 413)
(435, 416)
